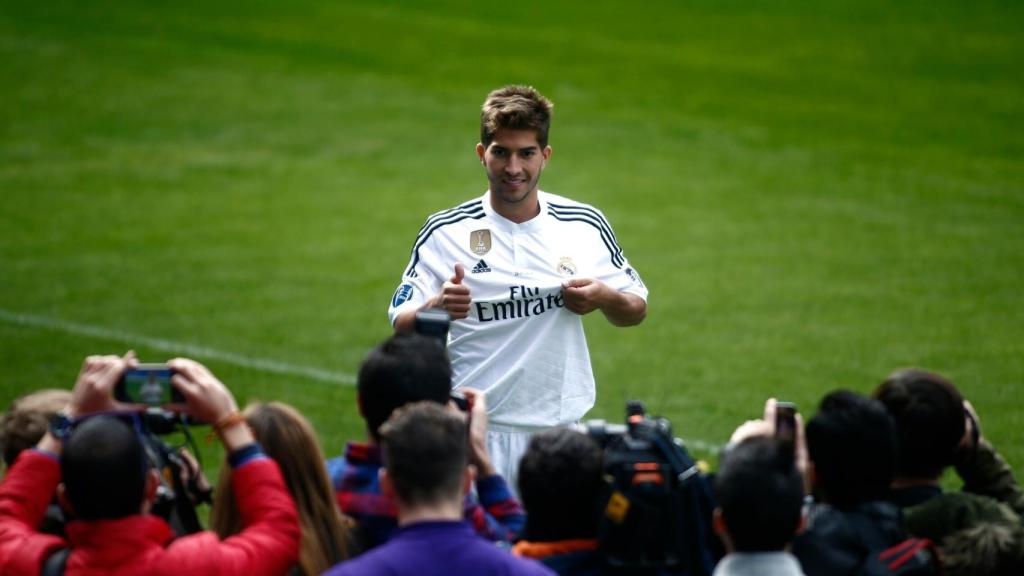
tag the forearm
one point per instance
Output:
(503, 515)
(985, 472)
(406, 321)
(25, 493)
(624, 309)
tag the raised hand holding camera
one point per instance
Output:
(93, 391)
(477, 416)
(208, 400)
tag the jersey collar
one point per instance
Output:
(504, 223)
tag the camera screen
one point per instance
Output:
(148, 386)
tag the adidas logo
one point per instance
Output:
(481, 266)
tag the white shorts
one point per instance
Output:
(507, 444)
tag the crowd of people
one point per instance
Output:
(471, 463)
(855, 491)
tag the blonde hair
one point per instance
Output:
(26, 421)
(288, 438)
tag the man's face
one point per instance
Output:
(514, 161)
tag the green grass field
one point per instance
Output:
(815, 193)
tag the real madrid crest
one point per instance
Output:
(480, 241)
(566, 267)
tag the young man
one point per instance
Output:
(97, 465)
(411, 368)
(427, 474)
(760, 494)
(515, 269)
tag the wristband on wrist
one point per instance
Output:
(224, 423)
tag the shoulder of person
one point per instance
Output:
(466, 207)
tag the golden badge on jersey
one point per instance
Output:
(480, 242)
(566, 267)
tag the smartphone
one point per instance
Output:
(433, 322)
(460, 400)
(148, 384)
(785, 421)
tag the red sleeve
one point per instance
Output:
(269, 541)
(24, 495)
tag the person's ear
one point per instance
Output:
(547, 156)
(63, 500)
(152, 485)
(480, 149)
(721, 529)
(468, 477)
(718, 522)
(387, 488)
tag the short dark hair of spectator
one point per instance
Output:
(760, 494)
(407, 367)
(26, 421)
(929, 415)
(988, 548)
(104, 468)
(852, 443)
(561, 481)
(425, 451)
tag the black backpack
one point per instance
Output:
(911, 557)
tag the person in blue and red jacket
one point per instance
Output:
(96, 463)
(410, 367)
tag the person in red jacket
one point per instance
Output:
(99, 470)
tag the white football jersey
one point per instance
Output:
(519, 344)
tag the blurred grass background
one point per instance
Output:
(815, 193)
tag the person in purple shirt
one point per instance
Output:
(427, 473)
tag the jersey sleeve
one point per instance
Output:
(420, 280)
(616, 271)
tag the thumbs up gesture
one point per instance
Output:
(454, 296)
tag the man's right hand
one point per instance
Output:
(454, 296)
(94, 389)
(479, 456)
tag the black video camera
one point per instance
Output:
(658, 515)
(179, 492)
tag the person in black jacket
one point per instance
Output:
(852, 448)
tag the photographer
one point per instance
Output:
(937, 428)
(108, 484)
(760, 493)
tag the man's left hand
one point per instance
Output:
(584, 295)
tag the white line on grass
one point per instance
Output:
(173, 347)
(187, 349)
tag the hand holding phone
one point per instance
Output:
(785, 421)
